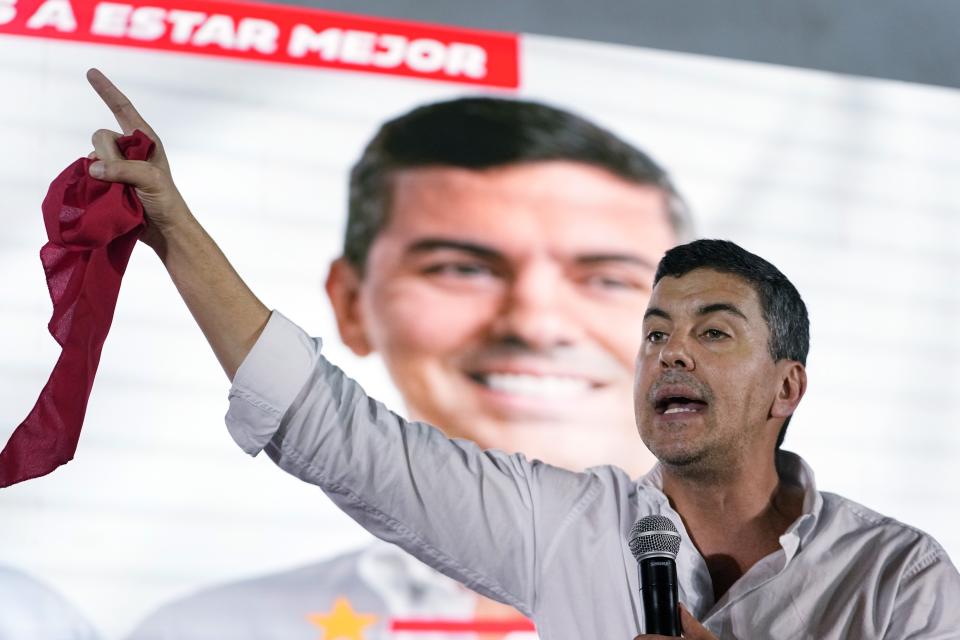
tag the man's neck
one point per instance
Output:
(734, 517)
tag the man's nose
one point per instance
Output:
(675, 354)
(537, 309)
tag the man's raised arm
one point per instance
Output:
(229, 314)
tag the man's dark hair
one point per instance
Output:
(483, 133)
(780, 302)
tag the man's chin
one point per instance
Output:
(700, 464)
(675, 452)
(494, 427)
(680, 459)
(502, 429)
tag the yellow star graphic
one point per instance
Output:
(343, 623)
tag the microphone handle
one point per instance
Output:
(658, 589)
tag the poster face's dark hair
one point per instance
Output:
(780, 302)
(483, 133)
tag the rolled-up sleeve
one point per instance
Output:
(481, 517)
(268, 381)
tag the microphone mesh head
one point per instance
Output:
(654, 535)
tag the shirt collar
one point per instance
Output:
(792, 469)
(795, 470)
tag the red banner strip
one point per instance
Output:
(463, 626)
(275, 33)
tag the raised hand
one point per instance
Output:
(163, 205)
(229, 314)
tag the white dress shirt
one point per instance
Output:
(552, 543)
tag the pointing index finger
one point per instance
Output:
(123, 110)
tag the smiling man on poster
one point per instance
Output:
(496, 255)
(720, 372)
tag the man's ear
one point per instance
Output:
(343, 289)
(793, 384)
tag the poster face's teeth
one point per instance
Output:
(531, 385)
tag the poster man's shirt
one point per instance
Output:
(377, 593)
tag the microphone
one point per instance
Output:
(654, 542)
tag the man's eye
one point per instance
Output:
(611, 283)
(656, 337)
(714, 334)
(459, 269)
(606, 282)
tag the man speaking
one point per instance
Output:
(763, 553)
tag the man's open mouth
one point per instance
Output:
(541, 386)
(679, 404)
(674, 400)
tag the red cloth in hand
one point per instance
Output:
(92, 227)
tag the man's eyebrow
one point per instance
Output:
(656, 312)
(706, 309)
(629, 258)
(720, 306)
(425, 245)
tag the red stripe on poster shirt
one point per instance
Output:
(275, 33)
(463, 626)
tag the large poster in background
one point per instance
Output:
(849, 185)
